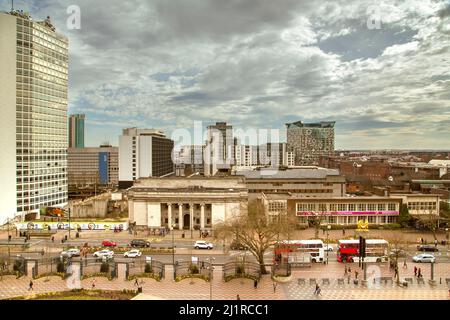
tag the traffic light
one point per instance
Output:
(362, 247)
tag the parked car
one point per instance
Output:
(74, 252)
(200, 244)
(104, 253)
(424, 257)
(132, 253)
(108, 243)
(427, 247)
(327, 247)
(140, 243)
(237, 245)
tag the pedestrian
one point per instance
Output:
(136, 282)
(349, 270)
(317, 291)
(415, 271)
(345, 271)
(356, 275)
(405, 266)
(255, 284)
(395, 272)
(30, 285)
(435, 243)
(274, 286)
(53, 239)
(421, 239)
(419, 273)
(238, 298)
(93, 284)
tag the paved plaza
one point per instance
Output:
(197, 289)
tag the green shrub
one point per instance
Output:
(193, 268)
(60, 267)
(104, 268)
(240, 269)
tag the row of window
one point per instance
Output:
(422, 205)
(293, 190)
(323, 207)
(352, 219)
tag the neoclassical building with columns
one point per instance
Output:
(186, 203)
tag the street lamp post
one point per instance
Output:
(211, 268)
(69, 222)
(173, 244)
(328, 242)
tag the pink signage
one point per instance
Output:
(347, 213)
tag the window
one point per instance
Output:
(351, 207)
(381, 206)
(322, 207)
(361, 207)
(372, 207)
(372, 219)
(392, 219)
(333, 207)
(342, 207)
(391, 206)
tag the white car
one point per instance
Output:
(70, 253)
(327, 247)
(104, 253)
(424, 257)
(132, 253)
(203, 245)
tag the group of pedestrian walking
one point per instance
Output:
(418, 272)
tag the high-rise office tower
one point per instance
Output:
(310, 140)
(76, 131)
(143, 153)
(33, 122)
(219, 149)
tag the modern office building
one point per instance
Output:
(76, 131)
(219, 149)
(264, 155)
(301, 181)
(187, 203)
(309, 141)
(143, 153)
(33, 122)
(93, 166)
(189, 160)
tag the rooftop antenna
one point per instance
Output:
(12, 5)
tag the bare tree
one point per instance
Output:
(397, 247)
(256, 231)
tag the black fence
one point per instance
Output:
(241, 269)
(97, 267)
(200, 269)
(142, 267)
(49, 266)
(13, 264)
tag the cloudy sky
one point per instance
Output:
(380, 69)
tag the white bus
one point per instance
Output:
(299, 251)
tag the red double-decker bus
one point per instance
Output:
(376, 250)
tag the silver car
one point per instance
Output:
(424, 257)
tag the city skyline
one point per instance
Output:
(260, 68)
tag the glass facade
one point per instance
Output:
(41, 115)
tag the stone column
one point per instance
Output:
(180, 216)
(169, 216)
(202, 216)
(191, 216)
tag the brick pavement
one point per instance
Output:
(197, 289)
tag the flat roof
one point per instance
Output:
(296, 173)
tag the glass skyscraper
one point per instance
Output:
(76, 131)
(33, 126)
